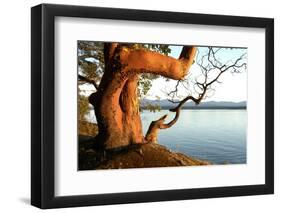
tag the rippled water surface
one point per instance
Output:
(218, 136)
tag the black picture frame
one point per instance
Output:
(43, 102)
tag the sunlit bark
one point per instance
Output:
(116, 100)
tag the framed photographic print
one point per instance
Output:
(140, 106)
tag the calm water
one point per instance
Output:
(218, 136)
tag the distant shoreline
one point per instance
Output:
(166, 104)
(214, 108)
(199, 108)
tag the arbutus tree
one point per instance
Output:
(119, 74)
(211, 71)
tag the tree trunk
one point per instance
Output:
(117, 113)
(116, 102)
(116, 105)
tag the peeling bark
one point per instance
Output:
(116, 100)
(144, 61)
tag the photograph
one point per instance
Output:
(143, 105)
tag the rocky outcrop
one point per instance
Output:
(135, 156)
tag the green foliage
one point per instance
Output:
(160, 48)
(90, 59)
(83, 107)
(144, 84)
(151, 107)
(91, 62)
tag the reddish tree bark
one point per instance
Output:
(203, 86)
(116, 100)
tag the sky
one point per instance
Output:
(233, 86)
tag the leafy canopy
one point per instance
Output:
(91, 62)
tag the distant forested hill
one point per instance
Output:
(165, 104)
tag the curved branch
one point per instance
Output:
(172, 122)
(155, 126)
(204, 86)
(145, 61)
